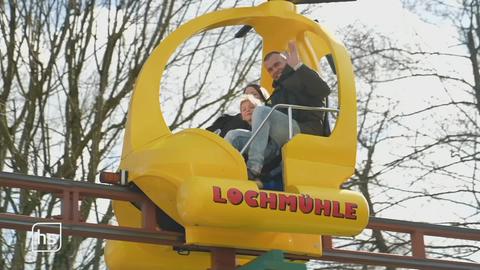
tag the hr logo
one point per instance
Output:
(46, 242)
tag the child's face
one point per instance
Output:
(246, 109)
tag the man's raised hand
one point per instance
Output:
(292, 56)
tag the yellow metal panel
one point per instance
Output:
(121, 255)
(160, 169)
(214, 202)
(169, 168)
(127, 215)
(332, 158)
(226, 237)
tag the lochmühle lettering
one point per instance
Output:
(282, 202)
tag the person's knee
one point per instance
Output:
(236, 138)
(231, 135)
(261, 112)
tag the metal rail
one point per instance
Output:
(101, 231)
(72, 192)
(290, 119)
(73, 225)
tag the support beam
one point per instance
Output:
(418, 245)
(72, 224)
(101, 231)
(385, 224)
(223, 258)
(368, 258)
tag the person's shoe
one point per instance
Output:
(259, 183)
(253, 175)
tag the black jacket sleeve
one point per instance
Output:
(312, 84)
(226, 122)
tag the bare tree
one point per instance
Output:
(403, 145)
(460, 134)
(67, 69)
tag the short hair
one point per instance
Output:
(243, 101)
(246, 100)
(268, 55)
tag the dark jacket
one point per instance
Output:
(302, 87)
(226, 122)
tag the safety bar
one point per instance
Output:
(290, 119)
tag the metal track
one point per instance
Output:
(72, 192)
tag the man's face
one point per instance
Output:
(275, 65)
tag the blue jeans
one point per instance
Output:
(275, 128)
(239, 138)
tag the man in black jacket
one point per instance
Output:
(294, 83)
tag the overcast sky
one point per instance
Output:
(390, 18)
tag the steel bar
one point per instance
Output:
(75, 207)
(101, 231)
(385, 224)
(369, 258)
(149, 215)
(418, 245)
(223, 258)
(362, 258)
(66, 205)
(289, 106)
(290, 123)
(73, 225)
(57, 185)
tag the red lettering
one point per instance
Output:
(250, 198)
(217, 195)
(351, 210)
(268, 199)
(284, 200)
(322, 207)
(305, 203)
(336, 210)
(235, 196)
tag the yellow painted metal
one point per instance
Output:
(120, 255)
(327, 161)
(130, 255)
(176, 170)
(238, 238)
(214, 202)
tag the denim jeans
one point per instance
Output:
(275, 128)
(239, 138)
